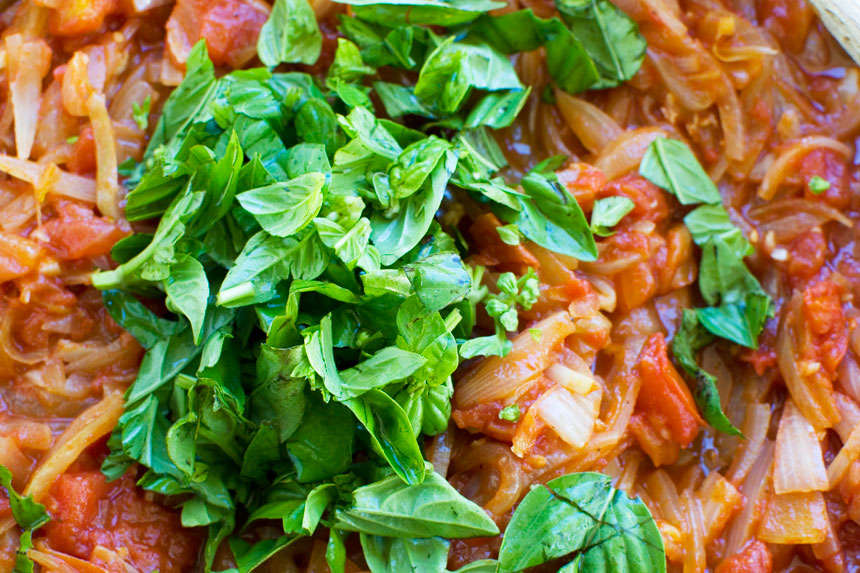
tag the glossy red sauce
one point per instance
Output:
(87, 511)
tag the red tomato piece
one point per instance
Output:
(664, 395)
(78, 232)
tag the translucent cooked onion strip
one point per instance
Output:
(594, 128)
(848, 454)
(754, 490)
(93, 423)
(798, 463)
(570, 415)
(695, 560)
(625, 153)
(500, 377)
(65, 184)
(107, 185)
(720, 502)
(782, 168)
(755, 426)
(794, 518)
(28, 63)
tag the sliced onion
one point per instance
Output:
(678, 84)
(65, 184)
(570, 415)
(811, 396)
(849, 411)
(695, 560)
(511, 480)
(754, 489)
(625, 153)
(500, 377)
(28, 63)
(848, 454)
(755, 426)
(794, 518)
(662, 489)
(93, 423)
(798, 464)
(720, 502)
(107, 178)
(594, 128)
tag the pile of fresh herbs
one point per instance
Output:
(320, 308)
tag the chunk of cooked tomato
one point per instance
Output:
(83, 158)
(88, 512)
(832, 167)
(825, 321)
(76, 17)
(230, 28)
(664, 398)
(78, 232)
(650, 200)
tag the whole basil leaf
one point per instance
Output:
(394, 237)
(421, 12)
(186, 103)
(135, 318)
(390, 432)
(607, 212)
(610, 37)
(552, 218)
(398, 555)
(706, 221)
(389, 365)
(454, 69)
(187, 291)
(583, 518)
(290, 35)
(670, 165)
(285, 208)
(433, 508)
(28, 514)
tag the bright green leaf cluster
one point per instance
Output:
(503, 307)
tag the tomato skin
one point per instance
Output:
(78, 232)
(230, 28)
(753, 558)
(83, 159)
(650, 200)
(87, 511)
(77, 17)
(822, 309)
(808, 251)
(831, 166)
(664, 397)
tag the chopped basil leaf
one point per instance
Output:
(670, 165)
(510, 413)
(140, 113)
(607, 213)
(509, 234)
(818, 185)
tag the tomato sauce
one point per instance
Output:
(87, 511)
